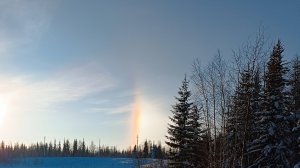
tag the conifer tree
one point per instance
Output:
(178, 136)
(59, 149)
(66, 148)
(295, 85)
(146, 150)
(274, 142)
(198, 154)
(240, 119)
(82, 148)
(295, 107)
(256, 103)
(50, 149)
(75, 148)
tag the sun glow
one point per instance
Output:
(147, 121)
(135, 119)
(3, 109)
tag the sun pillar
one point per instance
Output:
(135, 119)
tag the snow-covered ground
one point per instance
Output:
(72, 162)
(156, 164)
(297, 165)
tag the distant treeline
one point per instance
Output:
(79, 148)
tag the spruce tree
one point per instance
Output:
(274, 142)
(295, 85)
(66, 148)
(75, 148)
(82, 148)
(146, 150)
(178, 135)
(295, 108)
(256, 104)
(240, 119)
(296, 144)
(198, 154)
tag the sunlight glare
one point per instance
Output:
(135, 119)
(3, 109)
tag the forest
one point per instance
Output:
(242, 112)
(79, 148)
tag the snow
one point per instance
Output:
(272, 129)
(267, 150)
(72, 162)
(276, 104)
(297, 115)
(156, 164)
(297, 165)
(296, 129)
(279, 117)
(273, 97)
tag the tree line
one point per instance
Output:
(79, 148)
(243, 113)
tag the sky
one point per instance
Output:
(109, 70)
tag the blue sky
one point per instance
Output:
(75, 69)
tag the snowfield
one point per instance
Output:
(73, 162)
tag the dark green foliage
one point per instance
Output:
(294, 82)
(82, 148)
(41, 149)
(274, 142)
(295, 107)
(185, 134)
(75, 148)
(157, 151)
(178, 136)
(197, 142)
(240, 122)
(66, 148)
(146, 150)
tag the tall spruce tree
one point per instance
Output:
(295, 85)
(274, 142)
(256, 106)
(295, 107)
(240, 119)
(178, 135)
(231, 131)
(198, 155)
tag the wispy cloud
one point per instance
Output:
(116, 102)
(43, 94)
(57, 101)
(113, 109)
